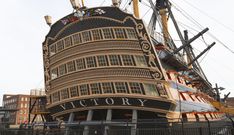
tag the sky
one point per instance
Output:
(23, 29)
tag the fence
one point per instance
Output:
(166, 131)
(144, 127)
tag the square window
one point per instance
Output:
(96, 34)
(140, 61)
(95, 89)
(102, 61)
(80, 64)
(73, 91)
(55, 97)
(131, 33)
(107, 33)
(71, 66)
(52, 49)
(107, 87)
(54, 73)
(77, 38)
(135, 88)
(86, 36)
(60, 45)
(120, 87)
(150, 89)
(62, 70)
(84, 89)
(119, 33)
(127, 60)
(64, 94)
(91, 62)
(114, 60)
(68, 42)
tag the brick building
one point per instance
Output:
(19, 102)
(230, 101)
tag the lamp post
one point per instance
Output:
(75, 4)
(48, 19)
(115, 3)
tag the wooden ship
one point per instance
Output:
(103, 64)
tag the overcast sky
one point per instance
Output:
(23, 29)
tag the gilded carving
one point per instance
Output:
(47, 65)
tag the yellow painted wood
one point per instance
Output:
(136, 8)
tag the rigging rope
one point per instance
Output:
(201, 27)
(102, 2)
(126, 4)
(186, 15)
(229, 49)
(146, 13)
(217, 21)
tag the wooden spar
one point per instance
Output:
(136, 8)
(163, 14)
(82, 3)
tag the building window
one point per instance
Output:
(80, 64)
(64, 94)
(54, 73)
(91, 62)
(140, 61)
(150, 89)
(107, 87)
(120, 87)
(135, 88)
(52, 49)
(73, 91)
(84, 89)
(107, 33)
(68, 42)
(161, 89)
(127, 60)
(119, 33)
(60, 45)
(96, 34)
(95, 89)
(71, 66)
(114, 60)
(55, 97)
(86, 36)
(131, 34)
(102, 61)
(21, 105)
(77, 38)
(62, 69)
(22, 99)
(25, 105)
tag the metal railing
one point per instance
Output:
(122, 131)
(144, 127)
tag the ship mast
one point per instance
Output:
(82, 1)
(136, 8)
(161, 5)
(161, 14)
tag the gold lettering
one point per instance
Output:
(142, 101)
(73, 105)
(82, 103)
(95, 101)
(63, 106)
(125, 101)
(109, 101)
